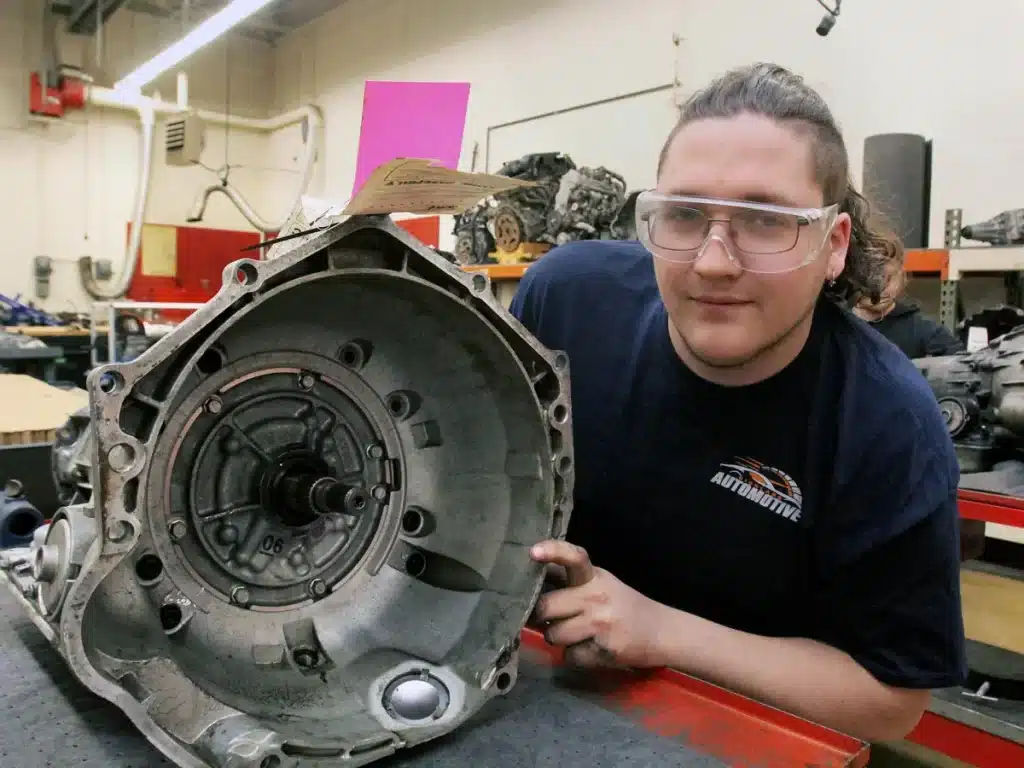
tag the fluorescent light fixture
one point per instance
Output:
(215, 26)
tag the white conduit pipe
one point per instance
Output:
(147, 109)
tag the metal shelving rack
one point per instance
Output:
(112, 308)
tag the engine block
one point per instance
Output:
(304, 535)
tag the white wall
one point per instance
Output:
(68, 185)
(887, 66)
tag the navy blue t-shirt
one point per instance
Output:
(819, 503)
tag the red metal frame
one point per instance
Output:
(992, 508)
(732, 728)
(941, 734)
(969, 745)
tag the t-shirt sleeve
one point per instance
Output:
(889, 595)
(532, 304)
(524, 303)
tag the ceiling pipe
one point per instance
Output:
(117, 288)
(148, 109)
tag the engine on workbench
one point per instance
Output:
(981, 396)
(564, 203)
(296, 529)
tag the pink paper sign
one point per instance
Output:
(410, 120)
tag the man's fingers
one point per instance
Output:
(559, 604)
(578, 568)
(570, 631)
(587, 654)
(556, 576)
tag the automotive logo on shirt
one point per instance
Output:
(767, 486)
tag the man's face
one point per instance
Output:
(727, 316)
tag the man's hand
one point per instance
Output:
(598, 619)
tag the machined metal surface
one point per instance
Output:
(310, 507)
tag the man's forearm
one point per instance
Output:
(805, 677)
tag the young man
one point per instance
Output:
(765, 490)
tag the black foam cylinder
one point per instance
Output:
(898, 180)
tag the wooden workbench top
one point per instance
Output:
(45, 331)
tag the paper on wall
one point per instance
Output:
(410, 119)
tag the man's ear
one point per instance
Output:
(839, 244)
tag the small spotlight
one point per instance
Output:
(825, 25)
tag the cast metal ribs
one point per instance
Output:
(305, 541)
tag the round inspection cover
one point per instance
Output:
(303, 394)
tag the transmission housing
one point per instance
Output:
(302, 537)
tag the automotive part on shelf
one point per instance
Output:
(586, 205)
(1006, 228)
(306, 542)
(981, 395)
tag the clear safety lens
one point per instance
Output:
(764, 237)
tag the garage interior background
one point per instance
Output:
(913, 67)
(599, 80)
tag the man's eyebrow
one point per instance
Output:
(753, 197)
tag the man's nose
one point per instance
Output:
(715, 258)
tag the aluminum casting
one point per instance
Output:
(981, 396)
(302, 538)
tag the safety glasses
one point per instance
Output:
(762, 238)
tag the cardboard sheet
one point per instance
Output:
(420, 186)
(993, 609)
(31, 410)
(410, 119)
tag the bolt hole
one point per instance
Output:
(559, 414)
(355, 354)
(305, 657)
(121, 457)
(358, 501)
(416, 564)
(270, 761)
(246, 273)
(210, 362)
(564, 464)
(111, 382)
(412, 522)
(148, 569)
(504, 681)
(171, 616)
(479, 283)
(561, 361)
(403, 403)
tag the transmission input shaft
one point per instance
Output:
(309, 495)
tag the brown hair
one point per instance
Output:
(775, 92)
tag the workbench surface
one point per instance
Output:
(52, 721)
